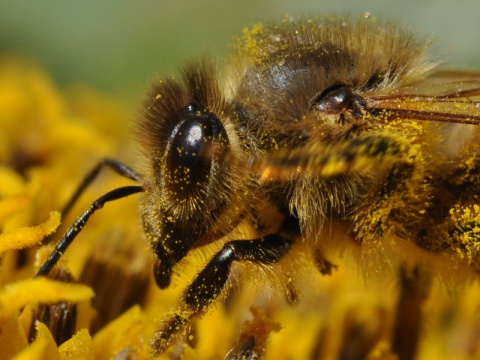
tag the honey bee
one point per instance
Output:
(315, 123)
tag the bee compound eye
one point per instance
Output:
(338, 100)
(194, 144)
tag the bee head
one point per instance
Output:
(184, 140)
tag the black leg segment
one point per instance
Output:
(75, 229)
(210, 282)
(115, 165)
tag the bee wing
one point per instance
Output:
(444, 96)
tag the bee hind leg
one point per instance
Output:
(210, 282)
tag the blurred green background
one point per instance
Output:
(119, 46)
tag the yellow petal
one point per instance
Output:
(29, 236)
(79, 346)
(43, 348)
(15, 296)
(12, 338)
(124, 333)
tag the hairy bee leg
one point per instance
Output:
(210, 282)
(458, 235)
(457, 205)
(77, 226)
(465, 179)
(396, 210)
(117, 166)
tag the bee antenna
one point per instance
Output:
(115, 165)
(78, 225)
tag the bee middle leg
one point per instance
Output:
(210, 282)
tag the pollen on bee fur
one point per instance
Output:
(331, 139)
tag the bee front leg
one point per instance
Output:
(210, 282)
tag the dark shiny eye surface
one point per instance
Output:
(339, 100)
(192, 145)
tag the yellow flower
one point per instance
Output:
(102, 302)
